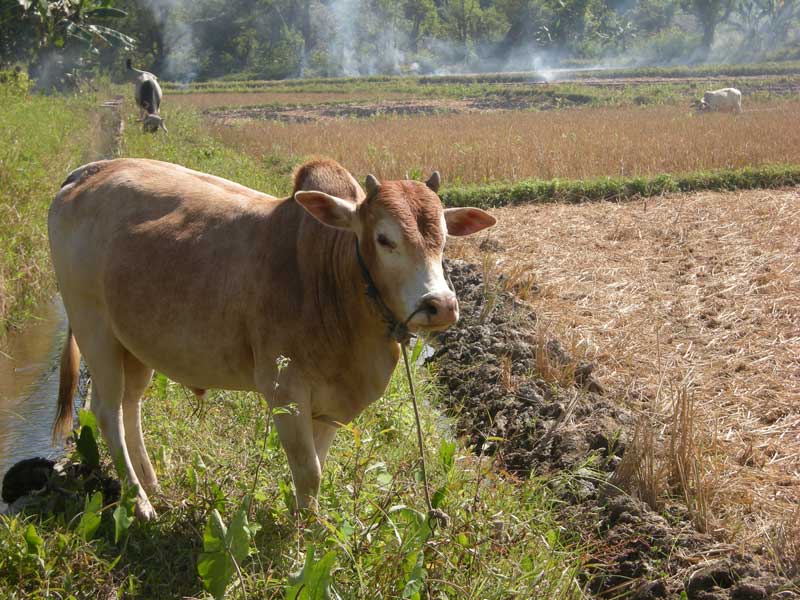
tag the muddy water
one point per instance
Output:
(29, 361)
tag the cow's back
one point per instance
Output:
(150, 96)
(166, 255)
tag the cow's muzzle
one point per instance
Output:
(438, 310)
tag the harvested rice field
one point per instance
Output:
(492, 146)
(683, 302)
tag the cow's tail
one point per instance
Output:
(67, 386)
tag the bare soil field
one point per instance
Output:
(480, 147)
(307, 112)
(688, 305)
(211, 100)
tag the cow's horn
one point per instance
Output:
(373, 185)
(434, 181)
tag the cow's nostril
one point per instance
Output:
(429, 307)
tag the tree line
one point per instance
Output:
(273, 39)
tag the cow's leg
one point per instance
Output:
(104, 357)
(137, 376)
(296, 432)
(323, 438)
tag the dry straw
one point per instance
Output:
(690, 306)
(509, 146)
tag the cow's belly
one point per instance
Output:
(189, 358)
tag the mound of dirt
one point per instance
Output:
(490, 362)
(537, 409)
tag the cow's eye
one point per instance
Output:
(385, 242)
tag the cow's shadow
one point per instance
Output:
(161, 556)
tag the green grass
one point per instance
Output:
(189, 145)
(502, 541)
(791, 67)
(43, 138)
(621, 188)
(476, 87)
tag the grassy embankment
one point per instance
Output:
(503, 540)
(43, 138)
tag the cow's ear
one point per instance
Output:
(328, 210)
(465, 221)
(434, 181)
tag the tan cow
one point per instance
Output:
(161, 267)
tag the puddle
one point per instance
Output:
(29, 361)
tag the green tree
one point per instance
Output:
(467, 23)
(59, 38)
(422, 21)
(709, 14)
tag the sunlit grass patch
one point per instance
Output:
(43, 138)
(189, 145)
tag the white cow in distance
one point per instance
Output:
(724, 100)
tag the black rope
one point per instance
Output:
(397, 331)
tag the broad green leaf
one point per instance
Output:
(237, 539)
(438, 497)
(34, 543)
(417, 531)
(90, 520)
(87, 448)
(122, 521)
(314, 580)
(214, 565)
(124, 513)
(224, 548)
(86, 418)
(214, 533)
(216, 571)
(111, 13)
(447, 453)
(414, 569)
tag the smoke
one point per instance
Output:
(181, 60)
(361, 37)
(343, 47)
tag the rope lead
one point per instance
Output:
(435, 516)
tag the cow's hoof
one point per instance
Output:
(145, 511)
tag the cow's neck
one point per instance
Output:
(352, 334)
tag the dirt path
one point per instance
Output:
(361, 110)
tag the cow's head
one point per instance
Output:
(401, 229)
(152, 123)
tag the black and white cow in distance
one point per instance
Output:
(148, 98)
